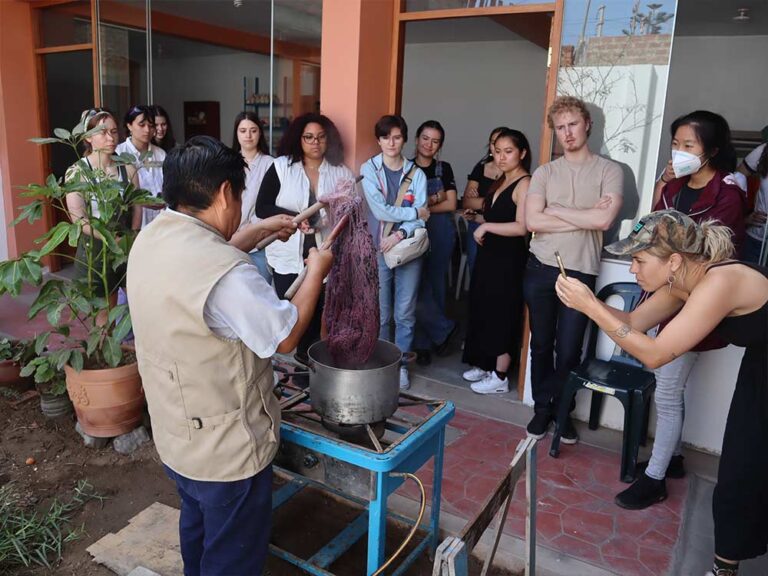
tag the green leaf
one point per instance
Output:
(122, 328)
(62, 133)
(40, 342)
(62, 357)
(76, 360)
(30, 212)
(117, 312)
(74, 233)
(56, 236)
(92, 343)
(43, 140)
(112, 351)
(78, 129)
(54, 313)
(27, 370)
(63, 330)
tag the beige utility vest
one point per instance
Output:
(214, 416)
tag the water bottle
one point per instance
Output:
(408, 199)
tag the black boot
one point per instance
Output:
(644, 492)
(676, 468)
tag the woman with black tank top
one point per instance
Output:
(686, 266)
(97, 156)
(496, 290)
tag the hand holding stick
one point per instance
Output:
(326, 245)
(298, 219)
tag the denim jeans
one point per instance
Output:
(432, 325)
(224, 526)
(670, 409)
(557, 333)
(398, 289)
(259, 260)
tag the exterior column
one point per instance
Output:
(21, 162)
(356, 59)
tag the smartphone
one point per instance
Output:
(560, 264)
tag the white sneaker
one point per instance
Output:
(491, 384)
(405, 381)
(474, 374)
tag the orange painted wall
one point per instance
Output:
(355, 63)
(21, 162)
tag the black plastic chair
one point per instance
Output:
(623, 377)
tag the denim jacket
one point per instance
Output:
(379, 212)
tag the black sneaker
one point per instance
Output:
(538, 426)
(569, 435)
(676, 468)
(423, 357)
(644, 492)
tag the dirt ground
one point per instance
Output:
(131, 483)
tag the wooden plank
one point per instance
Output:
(49, 3)
(545, 149)
(470, 12)
(95, 15)
(115, 13)
(67, 48)
(396, 59)
(534, 27)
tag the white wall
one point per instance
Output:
(216, 78)
(724, 74)
(443, 81)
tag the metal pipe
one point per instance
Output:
(414, 528)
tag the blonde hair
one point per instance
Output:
(716, 243)
(567, 104)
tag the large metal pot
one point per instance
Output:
(360, 395)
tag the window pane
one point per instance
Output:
(421, 5)
(65, 25)
(615, 57)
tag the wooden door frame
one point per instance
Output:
(555, 8)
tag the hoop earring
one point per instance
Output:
(670, 281)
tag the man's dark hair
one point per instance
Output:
(194, 171)
(386, 123)
(290, 145)
(713, 132)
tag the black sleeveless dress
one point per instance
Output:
(740, 503)
(496, 288)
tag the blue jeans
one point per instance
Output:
(670, 409)
(399, 286)
(259, 260)
(471, 246)
(432, 326)
(224, 526)
(557, 333)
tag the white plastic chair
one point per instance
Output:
(463, 272)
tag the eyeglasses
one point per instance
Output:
(311, 138)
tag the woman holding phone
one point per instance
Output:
(496, 290)
(686, 266)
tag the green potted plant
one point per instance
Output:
(50, 380)
(13, 355)
(102, 377)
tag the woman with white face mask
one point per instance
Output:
(697, 182)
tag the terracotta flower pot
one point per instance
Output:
(10, 377)
(108, 402)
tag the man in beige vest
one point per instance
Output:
(570, 202)
(206, 324)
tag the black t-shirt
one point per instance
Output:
(439, 177)
(483, 182)
(686, 198)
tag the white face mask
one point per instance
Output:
(685, 163)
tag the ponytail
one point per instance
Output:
(717, 245)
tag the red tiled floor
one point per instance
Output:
(576, 514)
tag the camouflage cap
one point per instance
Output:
(679, 231)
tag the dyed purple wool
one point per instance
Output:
(352, 292)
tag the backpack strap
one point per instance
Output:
(400, 195)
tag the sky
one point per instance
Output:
(617, 15)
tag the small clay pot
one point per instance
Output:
(10, 377)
